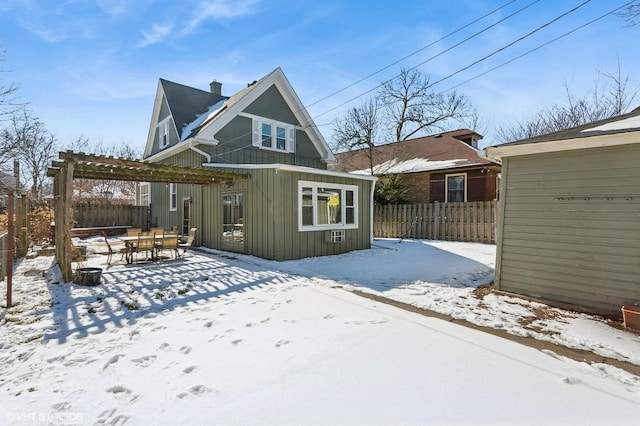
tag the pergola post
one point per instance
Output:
(63, 190)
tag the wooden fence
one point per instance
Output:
(88, 215)
(473, 221)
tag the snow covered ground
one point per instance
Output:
(220, 338)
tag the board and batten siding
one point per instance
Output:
(569, 227)
(271, 220)
(270, 211)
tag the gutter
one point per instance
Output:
(291, 168)
(199, 151)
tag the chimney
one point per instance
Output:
(216, 88)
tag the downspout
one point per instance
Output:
(198, 150)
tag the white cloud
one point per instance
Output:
(158, 33)
(218, 10)
(112, 7)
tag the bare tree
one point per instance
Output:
(630, 13)
(614, 98)
(103, 189)
(412, 108)
(357, 129)
(33, 145)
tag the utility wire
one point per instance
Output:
(411, 54)
(486, 72)
(539, 47)
(510, 44)
(468, 66)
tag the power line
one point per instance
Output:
(412, 54)
(539, 47)
(486, 57)
(435, 56)
(510, 44)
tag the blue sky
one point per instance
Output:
(91, 67)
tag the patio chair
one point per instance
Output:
(146, 243)
(157, 231)
(133, 232)
(168, 242)
(189, 242)
(121, 250)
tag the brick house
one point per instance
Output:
(446, 167)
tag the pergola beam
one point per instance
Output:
(100, 167)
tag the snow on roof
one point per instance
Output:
(201, 118)
(625, 124)
(413, 165)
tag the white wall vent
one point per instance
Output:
(335, 236)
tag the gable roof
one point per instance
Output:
(619, 130)
(199, 115)
(186, 103)
(429, 153)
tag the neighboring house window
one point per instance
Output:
(456, 188)
(327, 206)
(273, 135)
(173, 196)
(163, 132)
(144, 199)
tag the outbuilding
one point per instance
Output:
(569, 221)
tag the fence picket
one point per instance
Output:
(473, 221)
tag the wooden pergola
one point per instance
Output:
(99, 167)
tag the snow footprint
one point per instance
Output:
(61, 407)
(198, 390)
(111, 417)
(145, 361)
(189, 370)
(185, 350)
(112, 361)
(282, 343)
(123, 394)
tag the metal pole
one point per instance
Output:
(10, 248)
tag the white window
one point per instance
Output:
(324, 205)
(273, 135)
(163, 132)
(144, 194)
(173, 196)
(456, 188)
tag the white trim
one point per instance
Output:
(446, 185)
(257, 124)
(314, 198)
(173, 189)
(291, 168)
(164, 125)
(140, 186)
(617, 139)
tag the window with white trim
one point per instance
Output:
(144, 194)
(173, 197)
(274, 135)
(456, 188)
(163, 132)
(324, 205)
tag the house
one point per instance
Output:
(280, 201)
(569, 227)
(446, 167)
